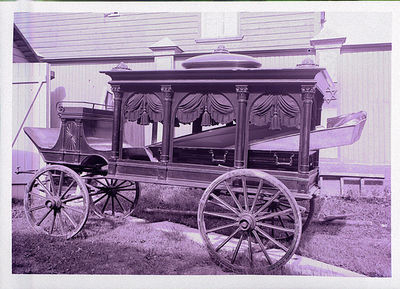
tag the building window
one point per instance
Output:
(219, 24)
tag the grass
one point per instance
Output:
(107, 247)
(125, 247)
(364, 246)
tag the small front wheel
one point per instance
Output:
(57, 202)
(244, 225)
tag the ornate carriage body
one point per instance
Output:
(258, 164)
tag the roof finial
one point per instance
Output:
(121, 66)
(221, 49)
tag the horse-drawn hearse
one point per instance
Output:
(258, 163)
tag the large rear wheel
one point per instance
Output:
(243, 225)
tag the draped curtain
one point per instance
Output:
(275, 110)
(213, 108)
(143, 108)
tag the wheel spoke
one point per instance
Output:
(105, 204)
(60, 220)
(227, 240)
(73, 209)
(276, 227)
(96, 193)
(221, 227)
(108, 184)
(246, 200)
(233, 196)
(112, 206)
(69, 218)
(267, 204)
(276, 242)
(98, 200)
(224, 204)
(119, 203)
(125, 198)
(221, 215)
(120, 184)
(101, 183)
(37, 208)
(260, 184)
(250, 250)
(72, 199)
(93, 187)
(52, 222)
(273, 215)
(44, 187)
(290, 217)
(60, 185)
(37, 195)
(258, 240)
(43, 217)
(67, 190)
(237, 248)
(284, 205)
(126, 190)
(285, 229)
(52, 185)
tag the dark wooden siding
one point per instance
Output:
(85, 35)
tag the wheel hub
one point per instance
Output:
(247, 222)
(53, 203)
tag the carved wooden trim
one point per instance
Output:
(307, 92)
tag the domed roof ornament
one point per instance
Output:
(221, 58)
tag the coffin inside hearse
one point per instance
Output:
(268, 149)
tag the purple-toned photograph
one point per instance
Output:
(202, 143)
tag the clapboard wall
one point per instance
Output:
(364, 77)
(29, 81)
(88, 35)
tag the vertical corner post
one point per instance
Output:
(242, 96)
(307, 93)
(166, 137)
(116, 130)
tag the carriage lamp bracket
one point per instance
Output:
(278, 163)
(216, 160)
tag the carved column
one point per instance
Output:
(307, 92)
(166, 138)
(242, 96)
(116, 132)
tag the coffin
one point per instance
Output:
(268, 149)
(342, 130)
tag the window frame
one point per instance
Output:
(203, 39)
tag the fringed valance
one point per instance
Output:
(143, 108)
(277, 110)
(213, 108)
